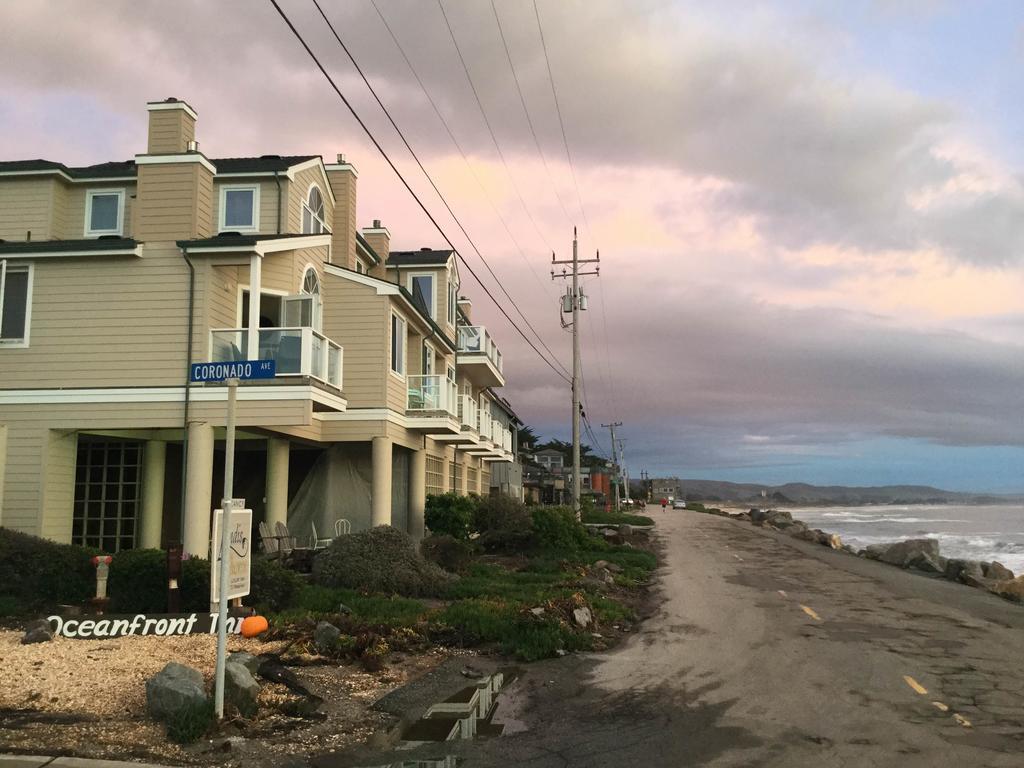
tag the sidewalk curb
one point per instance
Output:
(39, 761)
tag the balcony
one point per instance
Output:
(431, 394)
(480, 357)
(297, 351)
(467, 413)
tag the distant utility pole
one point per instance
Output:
(615, 460)
(624, 470)
(574, 301)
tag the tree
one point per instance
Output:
(526, 436)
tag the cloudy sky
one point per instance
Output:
(810, 214)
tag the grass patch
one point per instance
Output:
(490, 620)
(377, 610)
(612, 518)
(489, 580)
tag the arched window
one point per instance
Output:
(313, 212)
(311, 282)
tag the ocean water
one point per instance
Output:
(972, 532)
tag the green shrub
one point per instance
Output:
(369, 609)
(190, 724)
(501, 513)
(382, 559)
(449, 514)
(38, 575)
(195, 584)
(138, 581)
(274, 587)
(448, 552)
(557, 528)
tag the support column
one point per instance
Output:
(278, 450)
(417, 492)
(154, 463)
(380, 491)
(464, 477)
(199, 489)
(255, 275)
(446, 473)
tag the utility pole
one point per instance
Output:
(615, 460)
(575, 302)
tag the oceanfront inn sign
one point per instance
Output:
(163, 625)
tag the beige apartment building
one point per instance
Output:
(115, 277)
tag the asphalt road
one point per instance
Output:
(770, 652)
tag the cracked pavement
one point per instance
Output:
(732, 669)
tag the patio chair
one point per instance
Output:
(271, 542)
(342, 527)
(318, 543)
(286, 541)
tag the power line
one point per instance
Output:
(526, 111)
(451, 134)
(431, 180)
(561, 122)
(405, 183)
(487, 122)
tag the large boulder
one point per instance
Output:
(241, 689)
(805, 534)
(325, 637)
(796, 528)
(925, 561)
(1012, 589)
(875, 551)
(997, 571)
(958, 569)
(582, 617)
(247, 660)
(175, 688)
(779, 518)
(903, 552)
(37, 632)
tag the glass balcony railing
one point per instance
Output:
(432, 393)
(298, 351)
(475, 340)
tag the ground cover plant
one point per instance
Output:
(518, 600)
(616, 518)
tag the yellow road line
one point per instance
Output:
(915, 685)
(940, 706)
(962, 720)
(810, 612)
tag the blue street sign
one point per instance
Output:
(238, 369)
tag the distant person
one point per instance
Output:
(664, 504)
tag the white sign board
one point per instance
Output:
(240, 560)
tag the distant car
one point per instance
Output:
(678, 504)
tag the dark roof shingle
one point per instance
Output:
(423, 257)
(225, 166)
(46, 246)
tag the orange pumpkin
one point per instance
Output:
(254, 625)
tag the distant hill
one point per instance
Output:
(832, 495)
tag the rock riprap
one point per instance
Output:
(174, 689)
(241, 690)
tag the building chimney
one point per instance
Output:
(172, 127)
(174, 200)
(342, 177)
(380, 240)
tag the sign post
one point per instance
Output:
(225, 551)
(230, 373)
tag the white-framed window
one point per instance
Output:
(428, 360)
(15, 304)
(398, 341)
(239, 208)
(306, 308)
(104, 212)
(313, 212)
(422, 287)
(453, 300)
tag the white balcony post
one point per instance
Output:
(255, 277)
(306, 359)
